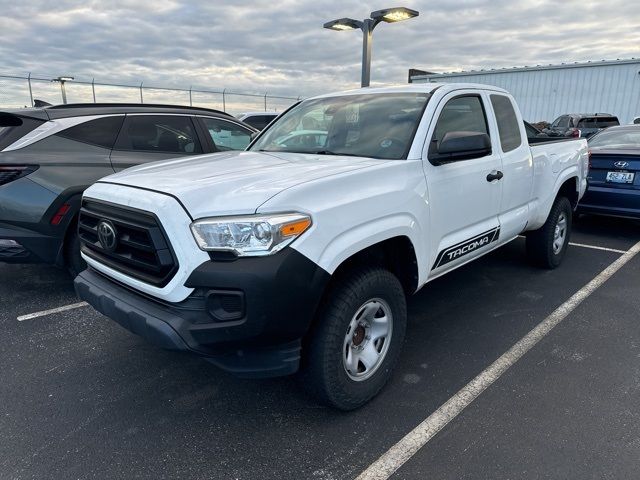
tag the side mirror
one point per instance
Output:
(463, 146)
(254, 135)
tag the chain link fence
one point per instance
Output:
(21, 91)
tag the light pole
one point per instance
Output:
(62, 80)
(389, 15)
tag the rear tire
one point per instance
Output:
(357, 339)
(73, 260)
(546, 247)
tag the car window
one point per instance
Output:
(159, 133)
(508, 126)
(587, 122)
(13, 127)
(617, 138)
(259, 121)
(101, 132)
(636, 121)
(227, 135)
(607, 122)
(563, 121)
(461, 114)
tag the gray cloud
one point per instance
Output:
(281, 47)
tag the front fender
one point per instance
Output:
(360, 237)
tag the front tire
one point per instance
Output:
(546, 247)
(357, 339)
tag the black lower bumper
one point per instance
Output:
(29, 247)
(247, 316)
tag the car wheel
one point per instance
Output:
(547, 246)
(357, 339)
(73, 260)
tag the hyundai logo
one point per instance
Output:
(621, 164)
(107, 235)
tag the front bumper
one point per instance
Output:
(275, 299)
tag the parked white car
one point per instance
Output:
(285, 258)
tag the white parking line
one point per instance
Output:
(402, 451)
(29, 316)
(595, 247)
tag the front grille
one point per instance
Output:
(141, 248)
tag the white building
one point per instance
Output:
(545, 92)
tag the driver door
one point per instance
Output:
(464, 201)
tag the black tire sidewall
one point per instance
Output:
(562, 205)
(540, 242)
(336, 387)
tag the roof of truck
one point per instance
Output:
(415, 88)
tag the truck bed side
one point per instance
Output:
(554, 163)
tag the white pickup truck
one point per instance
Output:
(298, 254)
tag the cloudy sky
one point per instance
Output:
(281, 47)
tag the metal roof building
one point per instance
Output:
(545, 92)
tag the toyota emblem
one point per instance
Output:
(107, 235)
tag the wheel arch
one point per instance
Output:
(396, 254)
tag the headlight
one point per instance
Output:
(250, 235)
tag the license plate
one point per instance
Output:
(620, 177)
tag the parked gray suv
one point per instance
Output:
(49, 155)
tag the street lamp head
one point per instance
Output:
(343, 24)
(396, 14)
(62, 79)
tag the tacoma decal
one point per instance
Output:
(460, 250)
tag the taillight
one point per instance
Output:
(575, 133)
(9, 173)
(62, 211)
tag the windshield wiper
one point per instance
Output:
(329, 152)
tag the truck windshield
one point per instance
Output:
(365, 125)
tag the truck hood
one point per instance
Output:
(234, 183)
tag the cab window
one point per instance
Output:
(460, 114)
(508, 125)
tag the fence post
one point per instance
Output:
(141, 99)
(30, 91)
(224, 102)
(265, 101)
(93, 89)
(190, 101)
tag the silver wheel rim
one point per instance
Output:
(560, 233)
(367, 340)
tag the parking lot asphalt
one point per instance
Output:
(83, 398)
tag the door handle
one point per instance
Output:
(495, 175)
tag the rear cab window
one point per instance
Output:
(507, 120)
